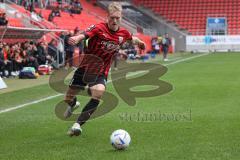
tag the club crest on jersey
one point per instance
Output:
(90, 28)
(120, 39)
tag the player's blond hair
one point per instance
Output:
(114, 7)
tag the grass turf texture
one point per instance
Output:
(208, 86)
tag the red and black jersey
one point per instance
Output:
(103, 44)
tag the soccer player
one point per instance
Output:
(104, 41)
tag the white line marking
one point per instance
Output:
(186, 59)
(57, 95)
(30, 103)
(168, 64)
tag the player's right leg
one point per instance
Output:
(71, 99)
(76, 84)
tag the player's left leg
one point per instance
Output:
(76, 85)
(97, 92)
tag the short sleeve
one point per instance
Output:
(91, 31)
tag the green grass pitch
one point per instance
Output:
(206, 96)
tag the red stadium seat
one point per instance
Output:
(189, 14)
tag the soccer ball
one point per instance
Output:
(120, 139)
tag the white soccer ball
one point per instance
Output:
(120, 139)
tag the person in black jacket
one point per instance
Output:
(69, 50)
(2, 64)
(30, 56)
(42, 54)
(166, 42)
(3, 19)
(5, 62)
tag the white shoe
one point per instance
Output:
(76, 130)
(70, 110)
(13, 74)
(165, 60)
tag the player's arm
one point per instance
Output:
(91, 31)
(76, 39)
(137, 41)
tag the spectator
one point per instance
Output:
(127, 51)
(159, 41)
(3, 19)
(59, 2)
(6, 63)
(2, 64)
(29, 61)
(52, 50)
(31, 7)
(76, 7)
(25, 4)
(69, 49)
(80, 45)
(130, 50)
(42, 54)
(30, 56)
(14, 57)
(54, 13)
(17, 62)
(166, 42)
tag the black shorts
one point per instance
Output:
(81, 79)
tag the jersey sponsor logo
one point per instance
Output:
(110, 46)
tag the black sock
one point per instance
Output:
(88, 110)
(73, 102)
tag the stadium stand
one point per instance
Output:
(24, 29)
(71, 21)
(191, 15)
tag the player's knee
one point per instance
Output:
(97, 91)
(97, 94)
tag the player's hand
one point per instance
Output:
(141, 45)
(73, 40)
(123, 56)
